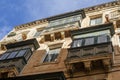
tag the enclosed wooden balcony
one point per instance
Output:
(16, 57)
(90, 52)
(89, 56)
(91, 49)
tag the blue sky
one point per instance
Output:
(16, 12)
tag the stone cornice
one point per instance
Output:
(30, 24)
(101, 6)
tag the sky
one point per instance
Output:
(17, 12)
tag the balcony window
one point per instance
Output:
(96, 21)
(52, 55)
(77, 43)
(90, 40)
(26, 53)
(4, 56)
(97, 33)
(12, 54)
(103, 38)
(65, 20)
(21, 53)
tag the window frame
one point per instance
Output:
(55, 54)
(96, 17)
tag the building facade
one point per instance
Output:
(78, 45)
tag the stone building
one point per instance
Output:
(78, 45)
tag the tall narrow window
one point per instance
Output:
(52, 55)
(96, 21)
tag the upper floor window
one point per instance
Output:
(96, 21)
(52, 55)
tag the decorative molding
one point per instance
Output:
(101, 6)
(31, 24)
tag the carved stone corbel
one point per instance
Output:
(87, 65)
(62, 35)
(52, 37)
(106, 63)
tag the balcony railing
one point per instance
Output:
(114, 15)
(104, 49)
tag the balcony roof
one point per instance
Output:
(67, 14)
(59, 16)
(23, 43)
(95, 28)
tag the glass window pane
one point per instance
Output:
(89, 41)
(12, 55)
(21, 53)
(4, 56)
(99, 21)
(77, 43)
(48, 57)
(52, 55)
(102, 38)
(74, 43)
(92, 22)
